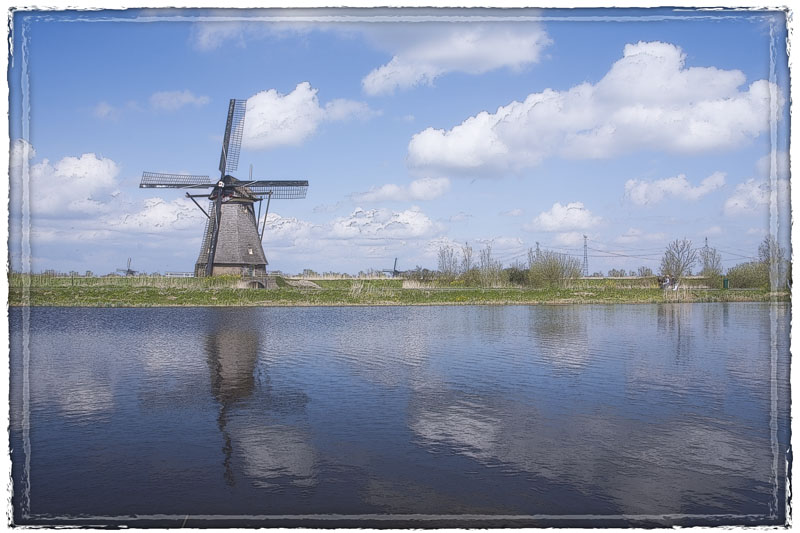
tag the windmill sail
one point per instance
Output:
(231, 240)
(278, 189)
(161, 180)
(232, 141)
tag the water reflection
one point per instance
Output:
(562, 336)
(621, 465)
(71, 378)
(508, 410)
(258, 430)
(675, 325)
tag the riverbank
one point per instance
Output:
(359, 292)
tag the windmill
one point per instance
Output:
(127, 271)
(394, 272)
(232, 240)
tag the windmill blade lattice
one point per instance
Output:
(161, 180)
(232, 141)
(278, 189)
(231, 220)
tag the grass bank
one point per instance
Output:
(146, 291)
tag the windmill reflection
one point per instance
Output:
(257, 423)
(232, 355)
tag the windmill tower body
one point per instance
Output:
(232, 240)
(239, 250)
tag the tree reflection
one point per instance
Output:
(562, 335)
(674, 322)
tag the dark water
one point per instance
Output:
(426, 416)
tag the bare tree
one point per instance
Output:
(644, 272)
(466, 258)
(772, 255)
(531, 257)
(712, 262)
(678, 260)
(489, 268)
(448, 263)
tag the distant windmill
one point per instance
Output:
(232, 240)
(127, 271)
(394, 272)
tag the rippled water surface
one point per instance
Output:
(401, 415)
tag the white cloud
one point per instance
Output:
(570, 238)
(421, 189)
(21, 151)
(211, 35)
(764, 166)
(565, 218)
(713, 230)
(158, 216)
(342, 109)
(461, 216)
(753, 197)
(104, 110)
(383, 224)
(648, 99)
(275, 119)
(423, 52)
(72, 185)
(634, 235)
(174, 100)
(512, 212)
(286, 231)
(652, 192)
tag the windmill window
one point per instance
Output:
(250, 251)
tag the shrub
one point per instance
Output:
(752, 275)
(551, 269)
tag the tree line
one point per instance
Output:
(460, 265)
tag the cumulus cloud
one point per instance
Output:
(158, 216)
(643, 192)
(72, 185)
(275, 119)
(512, 212)
(565, 218)
(649, 99)
(383, 224)
(424, 52)
(174, 100)
(421, 189)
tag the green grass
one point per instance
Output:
(221, 291)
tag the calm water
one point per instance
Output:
(486, 416)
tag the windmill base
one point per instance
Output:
(232, 270)
(261, 282)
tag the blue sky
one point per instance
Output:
(415, 129)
